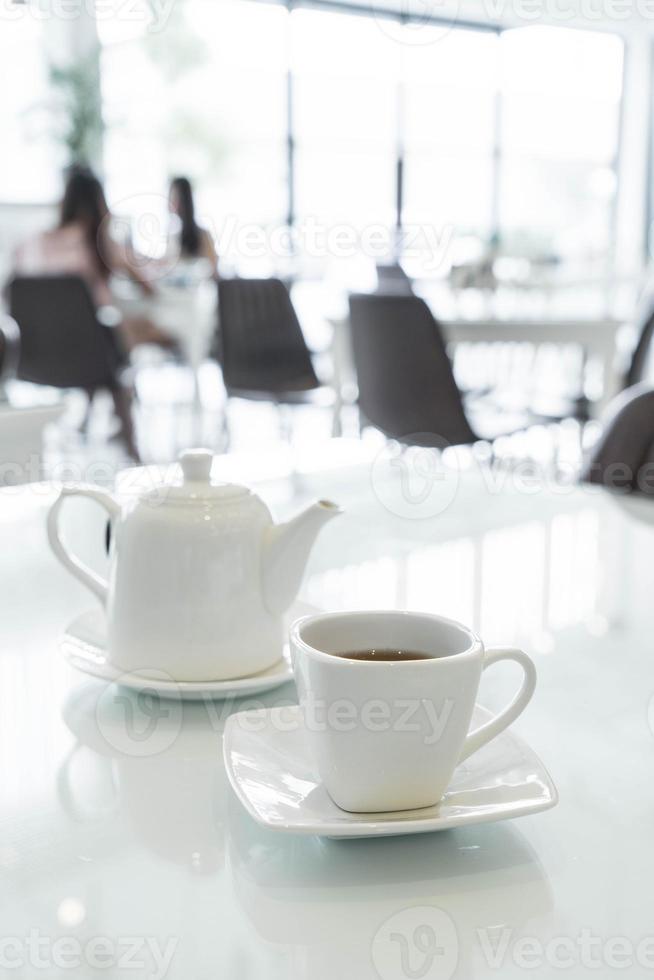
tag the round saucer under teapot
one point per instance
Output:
(199, 575)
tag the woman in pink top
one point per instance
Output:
(80, 245)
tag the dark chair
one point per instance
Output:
(9, 350)
(640, 356)
(261, 346)
(407, 387)
(62, 343)
(623, 459)
(392, 280)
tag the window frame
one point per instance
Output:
(399, 164)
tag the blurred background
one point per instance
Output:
(519, 138)
(494, 160)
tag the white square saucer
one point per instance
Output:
(269, 766)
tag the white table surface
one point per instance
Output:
(142, 838)
(188, 313)
(597, 337)
(21, 439)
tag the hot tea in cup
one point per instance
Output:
(388, 699)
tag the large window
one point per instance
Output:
(204, 97)
(31, 158)
(345, 119)
(328, 119)
(449, 131)
(561, 92)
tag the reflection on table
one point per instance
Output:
(152, 842)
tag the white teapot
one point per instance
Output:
(199, 574)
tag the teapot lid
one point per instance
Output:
(196, 483)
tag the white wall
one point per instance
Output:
(17, 222)
(633, 176)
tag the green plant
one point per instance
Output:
(78, 110)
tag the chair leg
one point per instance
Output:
(337, 421)
(225, 431)
(122, 398)
(86, 419)
(491, 459)
(284, 413)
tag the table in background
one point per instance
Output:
(598, 338)
(22, 439)
(100, 841)
(186, 311)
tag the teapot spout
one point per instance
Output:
(285, 553)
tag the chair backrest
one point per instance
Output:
(406, 383)
(262, 347)
(9, 348)
(392, 280)
(62, 344)
(624, 457)
(640, 356)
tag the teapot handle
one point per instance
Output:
(94, 582)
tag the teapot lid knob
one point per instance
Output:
(196, 465)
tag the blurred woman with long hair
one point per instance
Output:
(192, 241)
(80, 245)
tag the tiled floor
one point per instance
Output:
(167, 424)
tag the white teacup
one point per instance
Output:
(388, 735)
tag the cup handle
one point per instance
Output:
(491, 729)
(89, 578)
